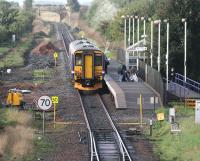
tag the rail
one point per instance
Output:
(94, 153)
(189, 83)
(123, 148)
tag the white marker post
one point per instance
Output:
(44, 103)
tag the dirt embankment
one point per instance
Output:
(50, 16)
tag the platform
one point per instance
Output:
(127, 94)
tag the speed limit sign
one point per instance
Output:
(44, 103)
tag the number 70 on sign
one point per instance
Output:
(55, 99)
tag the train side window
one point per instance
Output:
(98, 60)
(78, 59)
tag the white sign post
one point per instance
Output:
(197, 112)
(44, 103)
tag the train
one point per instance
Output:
(87, 63)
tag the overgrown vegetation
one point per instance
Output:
(13, 21)
(16, 135)
(181, 146)
(174, 10)
(15, 57)
(18, 140)
(74, 5)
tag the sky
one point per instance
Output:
(53, 1)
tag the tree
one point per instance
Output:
(3, 34)
(28, 4)
(7, 14)
(74, 5)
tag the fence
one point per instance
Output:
(152, 77)
(121, 55)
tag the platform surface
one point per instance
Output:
(127, 94)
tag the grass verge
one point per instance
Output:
(18, 138)
(3, 50)
(42, 76)
(184, 146)
(15, 57)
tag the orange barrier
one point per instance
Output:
(190, 103)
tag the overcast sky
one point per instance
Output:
(53, 1)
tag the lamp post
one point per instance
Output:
(126, 55)
(138, 28)
(144, 25)
(185, 49)
(158, 58)
(151, 50)
(144, 34)
(129, 30)
(167, 54)
(133, 29)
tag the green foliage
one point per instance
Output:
(183, 146)
(42, 145)
(174, 10)
(74, 5)
(28, 4)
(15, 58)
(13, 21)
(3, 33)
(3, 120)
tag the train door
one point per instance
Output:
(88, 66)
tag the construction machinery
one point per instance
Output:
(15, 97)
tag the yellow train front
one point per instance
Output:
(87, 65)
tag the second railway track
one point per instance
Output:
(105, 141)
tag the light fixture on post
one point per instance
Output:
(125, 40)
(158, 22)
(138, 28)
(151, 48)
(129, 29)
(133, 21)
(167, 54)
(185, 48)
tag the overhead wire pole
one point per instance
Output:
(185, 49)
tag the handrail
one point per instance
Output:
(191, 84)
(122, 145)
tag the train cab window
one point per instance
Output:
(78, 59)
(98, 60)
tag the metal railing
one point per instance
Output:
(190, 84)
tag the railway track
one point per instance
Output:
(105, 141)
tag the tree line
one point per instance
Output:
(174, 11)
(14, 20)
